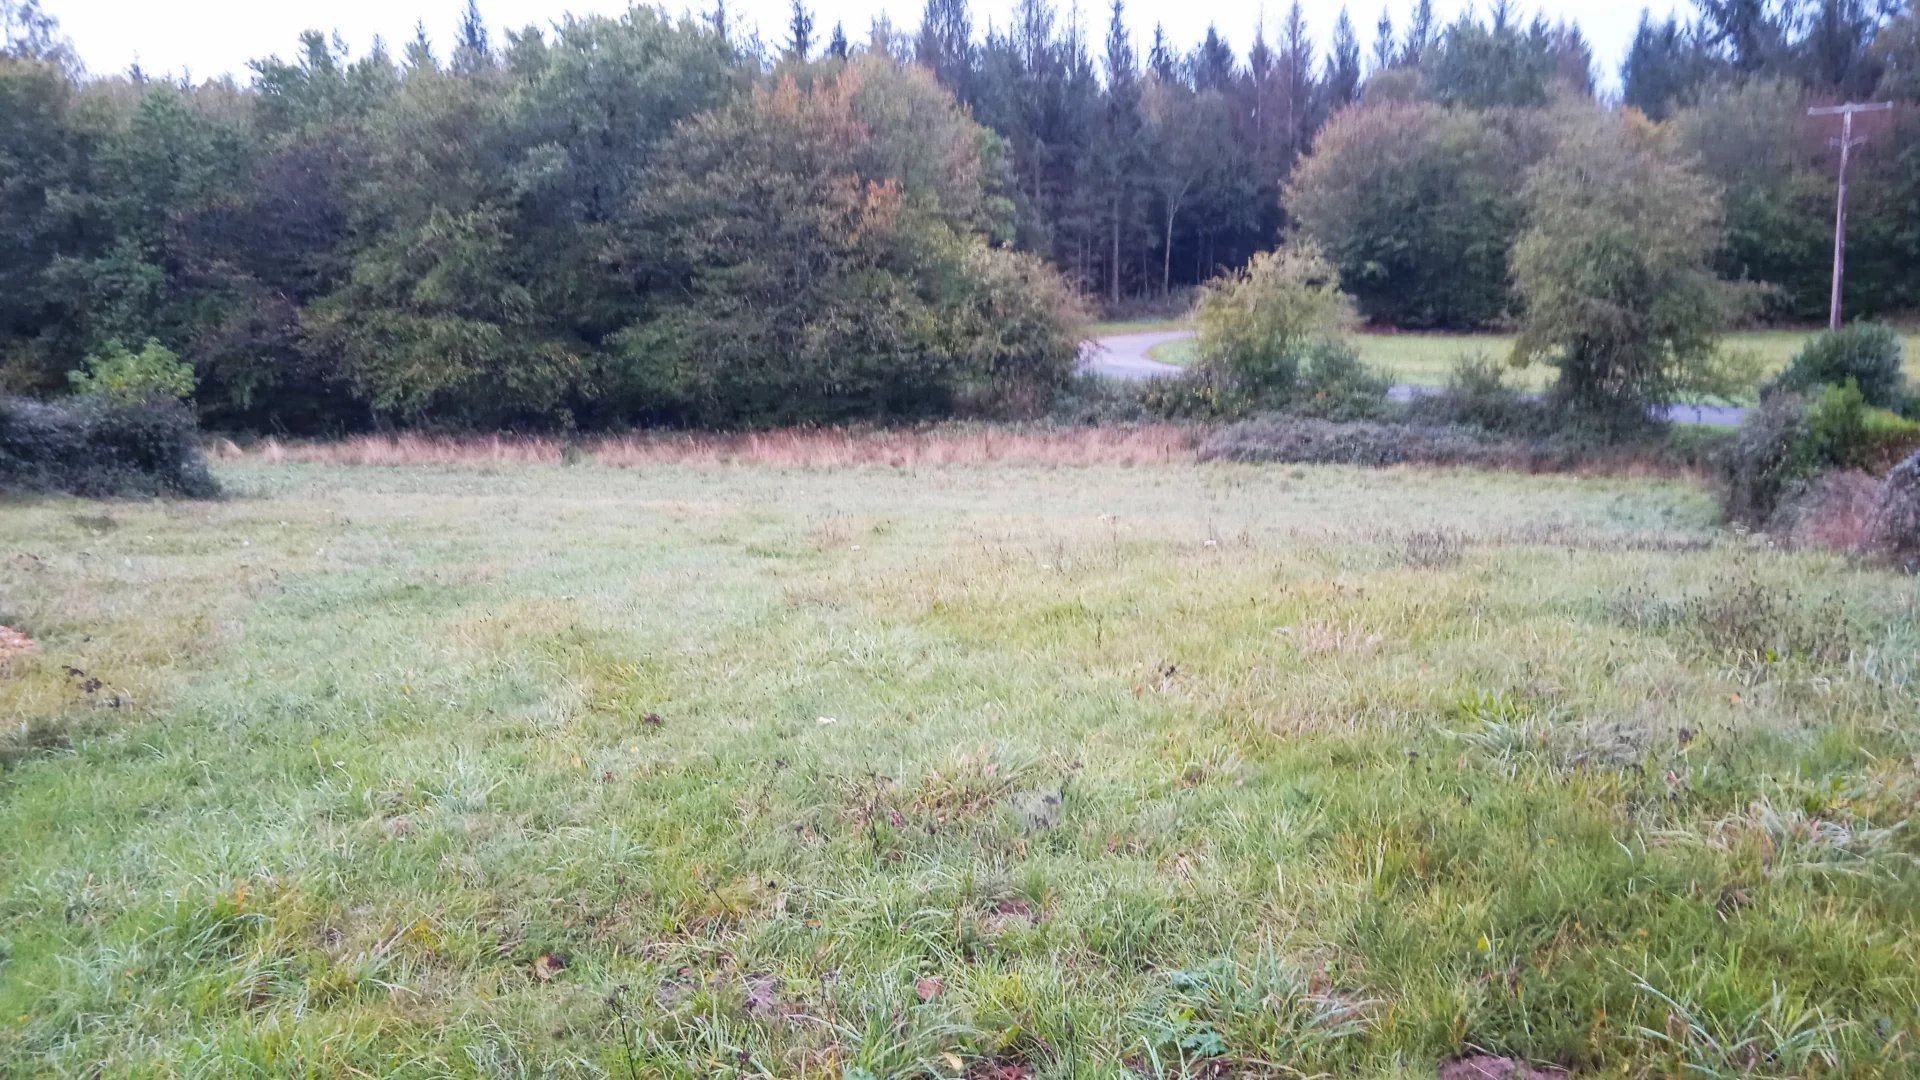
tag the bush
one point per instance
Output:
(1195, 395)
(1087, 398)
(1894, 527)
(1844, 433)
(1255, 324)
(1335, 385)
(121, 375)
(1415, 204)
(98, 447)
(1789, 440)
(1478, 394)
(1615, 270)
(1013, 328)
(1870, 355)
(1765, 464)
(1313, 441)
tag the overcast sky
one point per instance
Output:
(210, 37)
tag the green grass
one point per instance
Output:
(1416, 359)
(1135, 326)
(1297, 771)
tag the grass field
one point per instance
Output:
(708, 769)
(1415, 359)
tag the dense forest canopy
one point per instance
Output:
(651, 219)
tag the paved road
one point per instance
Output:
(1124, 356)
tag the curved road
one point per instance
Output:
(1124, 356)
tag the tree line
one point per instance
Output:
(619, 221)
(651, 219)
(1142, 169)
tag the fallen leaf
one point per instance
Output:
(652, 719)
(930, 987)
(547, 965)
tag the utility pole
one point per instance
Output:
(1846, 142)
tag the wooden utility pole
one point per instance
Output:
(1846, 143)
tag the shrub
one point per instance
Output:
(1256, 323)
(122, 375)
(1615, 270)
(1087, 398)
(1765, 465)
(1789, 440)
(1844, 433)
(1012, 326)
(1195, 395)
(1313, 441)
(1416, 205)
(1335, 385)
(95, 446)
(1894, 526)
(1479, 394)
(1829, 511)
(1869, 355)
(842, 281)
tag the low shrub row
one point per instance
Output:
(96, 446)
(1306, 440)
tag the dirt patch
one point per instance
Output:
(1489, 1067)
(14, 643)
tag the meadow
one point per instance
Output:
(1426, 359)
(1004, 759)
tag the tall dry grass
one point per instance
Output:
(795, 447)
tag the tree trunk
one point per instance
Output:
(1166, 264)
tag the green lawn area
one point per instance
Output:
(1134, 326)
(1425, 359)
(991, 771)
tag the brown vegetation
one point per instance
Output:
(796, 447)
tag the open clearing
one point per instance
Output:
(1007, 770)
(1417, 359)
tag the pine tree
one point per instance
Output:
(1383, 47)
(945, 45)
(1160, 59)
(1296, 80)
(418, 54)
(1213, 63)
(1835, 51)
(1420, 33)
(1573, 58)
(800, 31)
(472, 51)
(1753, 33)
(1663, 64)
(837, 44)
(1120, 147)
(29, 33)
(1341, 86)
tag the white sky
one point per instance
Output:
(210, 37)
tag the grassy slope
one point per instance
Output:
(1342, 770)
(1425, 359)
